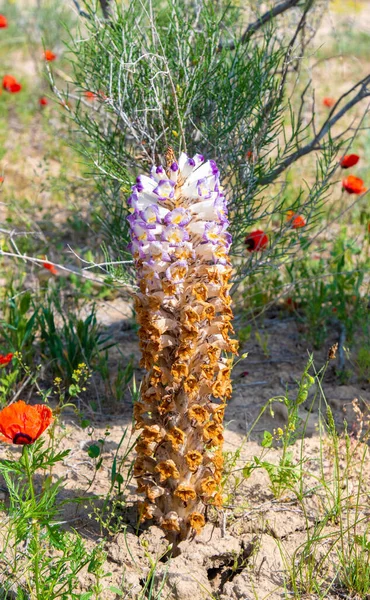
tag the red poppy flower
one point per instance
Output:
(1, 179)
(90, 95)
(49, 55)
(50, 268)
(5, 359)
(349, 160)
(256, 240)
(353, 185)
(10, 84)
(296, 221)
(3, 22)
(23, 424)
(43, 101)
(328, 102)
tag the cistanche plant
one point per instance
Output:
(180, 244)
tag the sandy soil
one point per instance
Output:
(244, 550)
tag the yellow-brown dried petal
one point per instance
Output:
(213, 431)
(176, 436)
(193, 459)
(185, 492)
(198, 413)
(197, 521)
(171, 522)
(146, 448)
(151, 433)
(208, 485)
(167, 469)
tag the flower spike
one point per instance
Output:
(180, 245)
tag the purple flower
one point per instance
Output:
(151, 214)
(157, 173)
(214, 168)
(132, 218)
(144, 184)
(165, 189)
(203, 188)
(157, 251)
(142, 233)
(212, 233)
(174, 235)
(178, 216)
(132, 199)
(136, 249)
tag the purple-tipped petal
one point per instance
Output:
(212, 233)
(143, 232)
(178, 216)
(165, 189)
(151, 214)
(174, 235)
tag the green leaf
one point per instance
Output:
(267, 439)
(117, 591)
(94, 451)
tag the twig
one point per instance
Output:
(23, 386)
(106, 9)
(341, 343)
(332, 119)
(40, 261)
(266, 18)
(81, 12)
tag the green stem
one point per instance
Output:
(29, 473)
(35, 525)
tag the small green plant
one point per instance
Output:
(362, 362)
(8, 382)
(72, 342)
(115, 386)
(286, 473)
(332, 291)
(18, 327)
(52, 557)
(354, 575)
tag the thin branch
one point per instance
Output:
(106, 9)
(81, 12)
(266, 18)
(83, 274)
(332, 119)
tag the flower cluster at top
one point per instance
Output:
(180, 245)
(176, 217)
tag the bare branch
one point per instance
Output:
(266, 18)
(72, 270)
(106, 9)
(332, 119)
(81, 12)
